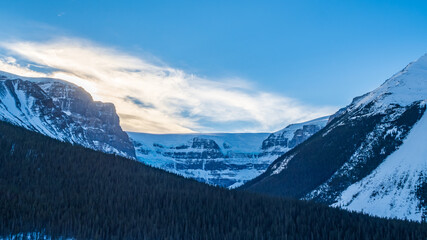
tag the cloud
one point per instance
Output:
(156, 98)
(138, 102)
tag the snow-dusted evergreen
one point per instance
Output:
(225, 159)
(64, 111)
(371, 156)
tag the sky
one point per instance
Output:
(214, 66)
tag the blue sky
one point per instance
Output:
(319, 54)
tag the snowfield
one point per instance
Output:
(390, 190)
(224, 159)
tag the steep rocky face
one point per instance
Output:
(218, 159)
(282, 141)
(356, 161)
(63, 111)
(226, 160)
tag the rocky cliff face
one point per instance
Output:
(370, 157)
(223, 159)
(284, 140)
(63, 111)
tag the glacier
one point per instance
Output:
(223, 159)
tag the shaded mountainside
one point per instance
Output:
(337, 163)
(64, 111)
(60, 190)
(223, 159)
(383, 188)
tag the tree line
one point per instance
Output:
(63, 190)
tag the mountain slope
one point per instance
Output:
(224, 159)
(355, 142)
(58, 190)
(61, 110)
(389, 189)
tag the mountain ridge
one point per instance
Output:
(355, 142)
(64, 111)
(224, 159)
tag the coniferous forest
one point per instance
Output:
(61, 190)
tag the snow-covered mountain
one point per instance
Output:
(394, 189)
(284, 140)
(371, 156)
(64, 111)
(225, 159)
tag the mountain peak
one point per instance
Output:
(403, 88)
(419, 63)
(367, 158)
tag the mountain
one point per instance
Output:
(64, 111)
(284, 140)
(56, 190)
(370, 157)
(224, 159)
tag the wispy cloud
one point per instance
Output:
(152, 97)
